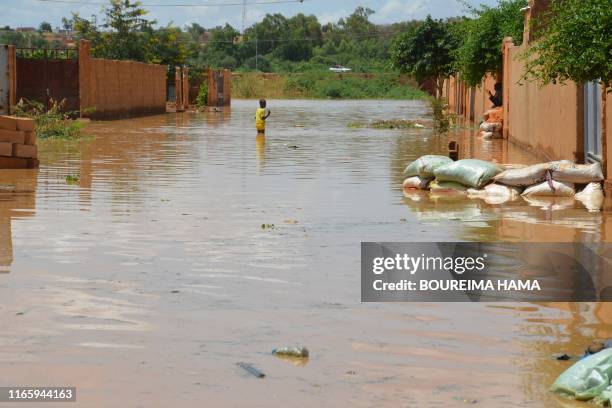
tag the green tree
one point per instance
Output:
(45, 27)
(25, 40)
(425, 52)
(125, 23)
(67, 24)
(195, 32)
(481, 37)
(166, 46)
(358, 23)
(224, 39)
(124, 35)
(268, 33)
(303, 34)
(87, 30)
(574, 42)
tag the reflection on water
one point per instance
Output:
(260, 149)
(17, 200)
(148, 281)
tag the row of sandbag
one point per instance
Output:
(478, 177)
(491, 130)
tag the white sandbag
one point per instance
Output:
(592, 197)
(525, 176)
(490, 127)
(424, 166)
(495, 193)
(416, 182)
(577, 173)
(551, 188)
(496, 190)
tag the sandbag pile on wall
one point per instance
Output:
(497, 184)
(17, 143)
(493, 124)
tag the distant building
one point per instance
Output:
(66, 41)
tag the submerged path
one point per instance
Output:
(146, 282)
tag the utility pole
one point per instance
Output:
(244, 5)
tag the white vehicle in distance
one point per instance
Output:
(340, 69)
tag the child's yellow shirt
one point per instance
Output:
(260, 119)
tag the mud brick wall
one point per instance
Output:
(17, 143)
(547, 119)
(118, 89)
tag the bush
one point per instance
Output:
(202, 98)
(333, 90)
(574, 43)
(481, 39)
(52, 123)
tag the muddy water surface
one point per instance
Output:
(145, 283)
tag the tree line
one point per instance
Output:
(574, 42)
(276, 43)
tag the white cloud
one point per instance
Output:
(393, 10)
(332, 16)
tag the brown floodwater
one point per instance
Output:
(147, 281)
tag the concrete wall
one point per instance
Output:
(547, 120)
(481, 99)
(118, 89)
(606, 136)
(454, 90)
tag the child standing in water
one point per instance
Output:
(261, 115)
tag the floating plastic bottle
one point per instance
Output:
(297, 352)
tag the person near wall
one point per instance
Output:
(497, 98)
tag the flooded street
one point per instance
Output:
(147, 281)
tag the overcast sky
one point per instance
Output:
(31, 12)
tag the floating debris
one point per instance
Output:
(73, 179)
(389, 124)
(251, 370)
(296, 352)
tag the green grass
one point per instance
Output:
(54, 122)
(325, 85)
